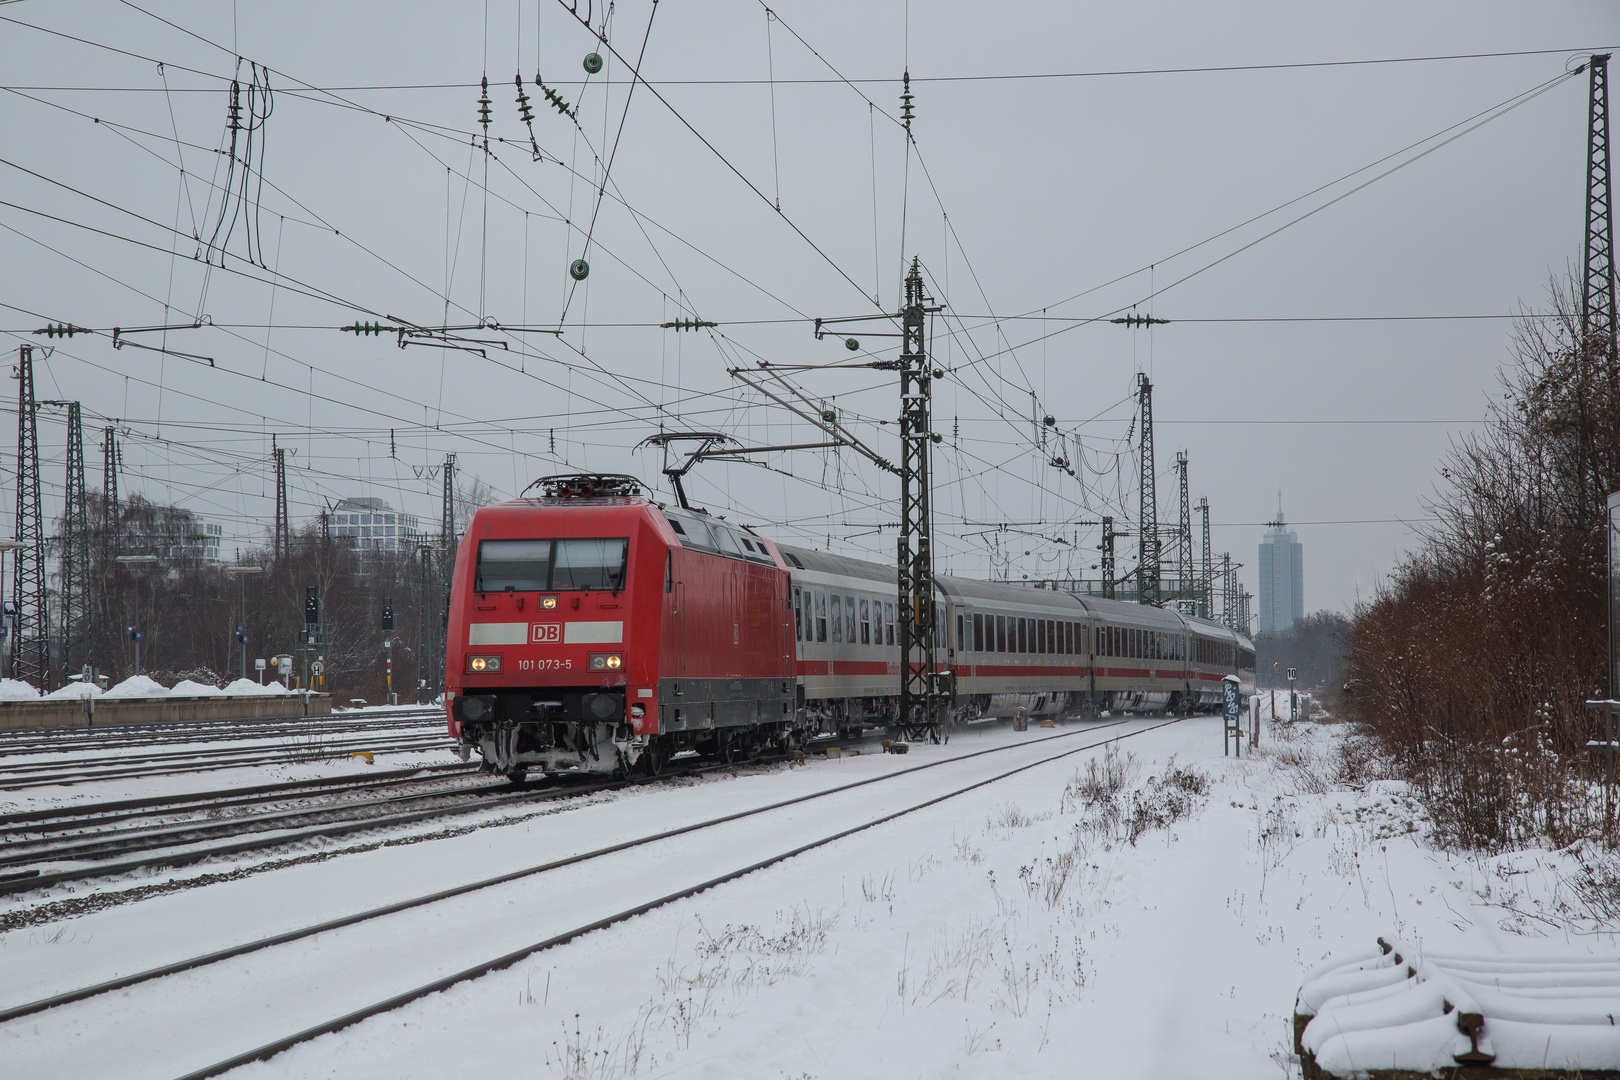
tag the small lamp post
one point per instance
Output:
(135, 632)
(240, 572)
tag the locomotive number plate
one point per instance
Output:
(547, 633)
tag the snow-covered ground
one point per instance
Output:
(1038, 926)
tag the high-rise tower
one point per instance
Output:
(1282, 577)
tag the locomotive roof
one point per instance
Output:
(550, 502)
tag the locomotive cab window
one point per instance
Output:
(551, 565)
(590, 564)
(516, 565)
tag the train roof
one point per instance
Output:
(1000, 591)
(827, 563)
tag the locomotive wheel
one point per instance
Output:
(654, 758)
(517, 773)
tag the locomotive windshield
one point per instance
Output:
(552, 565)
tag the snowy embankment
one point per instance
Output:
(1148, 914)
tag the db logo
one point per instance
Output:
(547, 633)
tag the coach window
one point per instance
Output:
(998, 635)
(821, 616)
(798, 617)
(849, 619)
(1038, 636)
(978, 632)
(866, 622)
(961, 643)
(888, 624)
(837, 618)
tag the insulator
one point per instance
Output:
(579, 269)
(483, 106)
(525, 113)
(829, 416)
(557, 102)
(66, 330)
(939, 373)
(1049, 421)
(234, 112)
(368, 329)
(593, 63)
(852, 344)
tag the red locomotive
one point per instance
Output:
(593, 630)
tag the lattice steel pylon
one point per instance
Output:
(77, 640)
(1228, 592)
(922, 694)
(1184, 556)
(109, 483)
(1147, 559)
(427, 621)
(448, 542)
(30, 644)
(1597, 267)
(1206, 572)
(283, 525)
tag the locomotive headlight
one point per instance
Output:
(483, 663)
(607, 661)
(548, 603)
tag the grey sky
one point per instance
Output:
(1052, 187)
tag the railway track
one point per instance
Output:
(1044, 751)
(181, 844)
(89, 815)
(123, 736)
(18, 776)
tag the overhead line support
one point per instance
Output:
(30, 643)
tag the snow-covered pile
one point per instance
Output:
(249, 688)
(1387, 1008)
(189, 688)
(77, 689)
(138, 686)
(15, 690)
